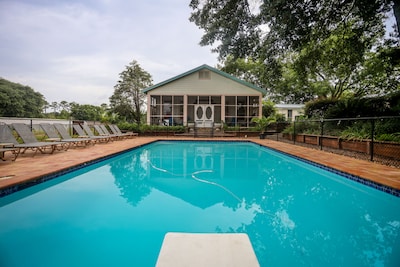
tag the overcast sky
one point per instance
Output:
(74, 50)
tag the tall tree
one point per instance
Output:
(261, 30)
(309, 49)
(128, 98)
(17, 100)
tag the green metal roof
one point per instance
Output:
(226, 75)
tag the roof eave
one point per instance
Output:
(205, 66)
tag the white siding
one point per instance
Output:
(192, 85)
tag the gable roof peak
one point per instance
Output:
(215, 70)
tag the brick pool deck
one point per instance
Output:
(27, 168)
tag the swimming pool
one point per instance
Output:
(116, 212)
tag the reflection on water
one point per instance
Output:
(294, 214)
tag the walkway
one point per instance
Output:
(27, 168)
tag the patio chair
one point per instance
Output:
(6, 144)
(115, 129)
(119, 134)
(54, 135)
(85, 132)
(30, 139)
(14, 150)
(103, 129)
(65, 135)
(7, 137)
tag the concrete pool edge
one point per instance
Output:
(21, 184)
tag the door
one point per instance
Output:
(204, 115)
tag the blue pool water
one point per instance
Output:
(116, 212)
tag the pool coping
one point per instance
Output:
(7, 190)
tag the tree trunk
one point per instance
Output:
(396, 11)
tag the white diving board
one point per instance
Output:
(199, 249)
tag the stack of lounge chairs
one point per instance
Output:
(29, 140)
(60, 133)
(17, 138)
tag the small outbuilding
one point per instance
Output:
(290, 111)
(205, 97)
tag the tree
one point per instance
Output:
(17, 100)
(128, 98)
(272, 26)
(345, 63)
(86, 112)
(379, 74)
(252, 71)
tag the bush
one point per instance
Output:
(318, 108)
(131, 127)
(394, 137)
(387, 126)
(388, 105)
(358, 131)
(303, 127)
(144, 128)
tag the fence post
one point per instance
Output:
(294, 132)
(371, 145)
(322, 134)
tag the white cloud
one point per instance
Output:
(74, 50)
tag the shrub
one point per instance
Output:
(159, 128)
(358, 131)
(126, 126)
(394, 137)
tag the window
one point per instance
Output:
(166, 110)
(204, 75)
(289, 114)
(239, 110)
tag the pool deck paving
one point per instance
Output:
(30, 168)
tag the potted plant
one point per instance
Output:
(262, 124)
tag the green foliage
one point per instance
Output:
(268, 108)
(309, 49)
(127, 126)
(252, 71)
(394, 137)
(379, 74)
(144, 128)
(304, 127)
(128, 98)
(17, 100)
(263, 123)
(86, 112)
(387, 105)
(239, 29)
(317, 108)
(358, 131)
(280, 117)
(387, 126)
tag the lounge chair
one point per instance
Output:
(54, 135)
(102, 130)
(115, 129)
(6, 145)
(120, 135)
(14, 150)
(29, 138)
(7, 136)
(85, 132)
(65, 135)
